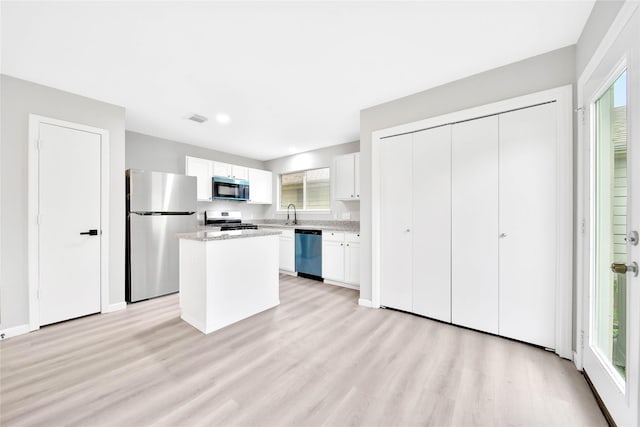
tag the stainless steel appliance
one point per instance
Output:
(230, 188)
(227, 220)
(309, 253)
(159, 205)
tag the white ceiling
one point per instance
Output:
(292, 76)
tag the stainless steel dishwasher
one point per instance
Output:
(309, 253)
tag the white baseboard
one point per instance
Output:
(344, 285)
(290, 273)
(115, 307)
(14, 331)
(365, 303)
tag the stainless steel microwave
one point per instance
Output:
(230, 189)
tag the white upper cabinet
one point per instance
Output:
(202, 170)
(346, 175)
(260, 187)
(260, 181)
(230, 171)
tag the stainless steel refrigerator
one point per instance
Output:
(159, 205)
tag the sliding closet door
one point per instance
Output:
(396, 222)
(432, 223)
(528, 225)
(474, 232)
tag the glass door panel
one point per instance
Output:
(610, 214)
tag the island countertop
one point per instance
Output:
(209, 235)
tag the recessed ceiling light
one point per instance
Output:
(223, 118)
(196, 118)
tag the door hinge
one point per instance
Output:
(582, 339)
(38, 144)
(582, 226)
(38, 219)
(580, 112)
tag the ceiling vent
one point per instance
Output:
(196, 118)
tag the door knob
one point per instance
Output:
(90, 233)
(624, 268)
(503, 235)
(408, 230)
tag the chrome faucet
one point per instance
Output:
(295, 215)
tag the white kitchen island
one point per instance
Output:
(227, 276)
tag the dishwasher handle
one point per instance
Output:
(313, 232)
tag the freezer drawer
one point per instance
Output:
(152, 267)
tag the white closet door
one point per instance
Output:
(432, 223)
(396, 222)
(474, 234)
(528, 224)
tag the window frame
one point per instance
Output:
(280, 209)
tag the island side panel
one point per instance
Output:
(193, 281)
(242, 279)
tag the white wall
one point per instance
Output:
(152, 153)
(553, 69)
(315, 159)
(600, 19)
(18, 98)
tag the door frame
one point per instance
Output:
(583, 184)
(33, 208)
(563, 96)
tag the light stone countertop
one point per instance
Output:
(324, 227)
(216, 234)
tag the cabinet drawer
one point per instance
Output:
(352, 237)
(287, 232)
(332, 236)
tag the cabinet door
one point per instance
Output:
(260, 186)
(474, 233)
(352, 261)
(528, 227)
(287, 253)
(344, 177)
(239, 172)
(356, 174)
(221, 169)
(333, 259)
(201, 169)
(432, 225)
(396, 222)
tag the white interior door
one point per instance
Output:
(69, 207)
(528, 224)
(612, 304)
(395, 215)
(474, 224)
(432, 225)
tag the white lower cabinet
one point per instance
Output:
(287, 251)
(341, 257)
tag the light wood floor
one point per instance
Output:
(317, 359)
